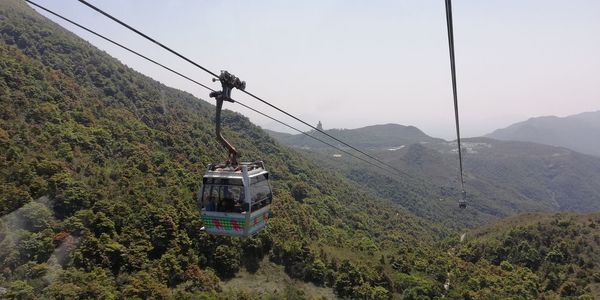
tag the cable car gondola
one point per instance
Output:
(235, 197)
(462, 203)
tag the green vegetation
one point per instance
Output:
(557, 255)
(100, 165)
(502, 179)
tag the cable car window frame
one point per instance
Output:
(260, 181)
(209, 189)
(235, 181)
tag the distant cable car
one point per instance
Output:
(235, 198)
(462, 203)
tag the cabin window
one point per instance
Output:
(260, 192)
(223, 198)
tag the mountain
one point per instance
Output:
(579, 132)
(100, 166)
(370, 137)
(276, 134)
(99, 169)
(564, 180)
(502, 178)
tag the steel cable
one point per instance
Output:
(196, 82)
(454, 90)
(244, 91)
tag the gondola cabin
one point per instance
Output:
(462, 203)
(235, 201)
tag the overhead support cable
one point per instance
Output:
(325, 133)
(117, 44)
(148, 38)
(314, 137)
(244, 91)
(449, 24)
(200, 84)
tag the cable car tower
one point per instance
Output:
(235, 197)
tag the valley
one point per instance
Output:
(503, 178)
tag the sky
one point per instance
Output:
(350, 63)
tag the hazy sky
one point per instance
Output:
(355, 63)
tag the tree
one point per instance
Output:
(77, 284)
(569, 288)
(19, 290)
(300, 191)
(226, 261)
(35, 216)
(316, 272)
(68, 194)
(142, 285)
(200, 280)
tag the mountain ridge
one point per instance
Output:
(377, 136)
(579, 132)
(502, 178)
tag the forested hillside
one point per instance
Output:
(558, 251)
(99, 169)
(100, 164)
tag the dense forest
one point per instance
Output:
(107, 161)
(559, 253)
(100, 166)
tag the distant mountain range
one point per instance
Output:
(370, 137)
(502, 177)
(579, 132)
